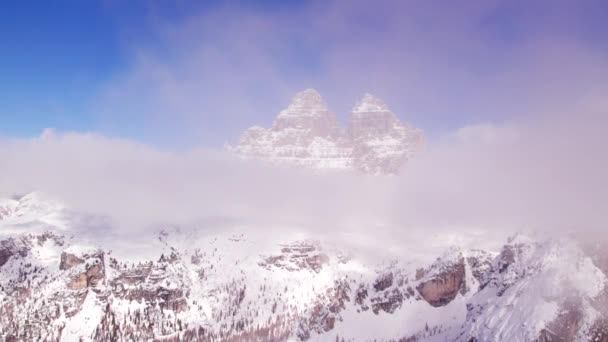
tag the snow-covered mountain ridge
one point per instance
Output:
(248, 286)
(307, 133)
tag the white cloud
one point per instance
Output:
(486, 133)
(439, 65)
(550, 175)
(543, 165)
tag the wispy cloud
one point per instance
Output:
(438, 64)
(547, 173)
(514, 102)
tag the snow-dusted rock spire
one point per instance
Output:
(381, 143)
(306, 103)
(307, 111)
(307, 133)
(370, 103)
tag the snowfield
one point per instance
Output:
(286, 285)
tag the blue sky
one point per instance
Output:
(181, 73)
(55, 54)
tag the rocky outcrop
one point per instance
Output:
(381, 143)
(303, 255)
(325, 312)
(361, 296)
(504, 274)
(149, 283)
(573, 306)
(443, 288)
(309, 114)
(565, 326)
(384, 281)
(388, 302)
(305, 133)
(481, 265)
(11, 247)
(69, 260)
(549, 291)
(444, 280)
(87, 269)
(308, 134)
(21, 246)
(599, 330)
(90, 277)
(387, 292)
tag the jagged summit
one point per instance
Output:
(369, 103)
(306, 103)
(307, 133)
(309, 114)
(248, 285)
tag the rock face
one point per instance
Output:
(381, 143)
(321, 318)
(309, 114)
(442, 288)
(518, 272)
(146, 283)
(302, 255)
(308, 134)
(87, 269)
(480, 263)
(69, 260)
(12, 247)
(297, 298)
(440, 284)
(194, 286)
(305, 133)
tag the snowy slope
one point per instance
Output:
(283, 284)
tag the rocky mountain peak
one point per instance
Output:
(371, 116)
(308, 102)
(189, 285)
(307, 113)
(369, 104)
(381, 142)
(307, 133)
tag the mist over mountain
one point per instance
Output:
(468, 240)
(307, 133)
(243, 283)
(411, 171)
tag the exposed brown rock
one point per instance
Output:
(197, 257)
(384, 281)
(133, 276)
(298, 256)
(388, 302)
(92, 274)
(361, 296)
(599, 331)
(506, 258)
(11, 247)
(146, 283)
(11, 338)
(442, 288)
(420, 273)
(316, 262)
(5, 254)
(322, 317)
(69, 260)
(481, 266)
